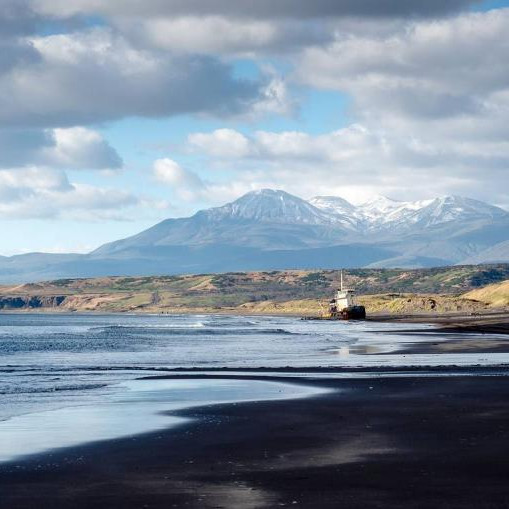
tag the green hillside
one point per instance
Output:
(250, 290)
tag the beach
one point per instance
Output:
(494, 322)
(216, 411)
(390, 442)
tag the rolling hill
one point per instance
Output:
(392, 290)
(495, 295)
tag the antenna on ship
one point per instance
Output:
(341, 280)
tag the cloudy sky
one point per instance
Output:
(117, 114)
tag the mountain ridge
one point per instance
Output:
(271, 229)
(388, 212)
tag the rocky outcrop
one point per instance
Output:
(31, 301)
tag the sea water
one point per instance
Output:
(55, 367)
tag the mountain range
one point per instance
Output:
(271, 229)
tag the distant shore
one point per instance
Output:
(465, 290)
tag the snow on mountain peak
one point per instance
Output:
(379, 205)
(380, 214)
(332, 203)
(269, 205)
(455, 208)
(338, 208)
(381, 200)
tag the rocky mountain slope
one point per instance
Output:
(271, 230)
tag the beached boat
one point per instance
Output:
(342, 307)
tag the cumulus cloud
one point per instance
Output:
(436, 93)
(188, 186)
(222, 143)
(431, 69)
(72, 148)
(348, 143)
(222, 27)
(428, 83)
(215, 35)
(97, 75)
(42, 193)
(259, 9)
(184, 183)
(81, 148)
(357, 158)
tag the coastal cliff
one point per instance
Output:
(11, 302)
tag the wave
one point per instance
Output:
(196, 325)
(180, 331)
(231, 323)
(57, 388)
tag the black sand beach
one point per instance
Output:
(438, 442)
(462, 326)
(496, 321)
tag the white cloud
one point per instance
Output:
(191, 188)
(221, 143)
(38, 193)
(170, 172)
(435, 69)
(223, 27)
(210, 35)
(72, 148)
(81, 148)
(429, 93)
(186, 184)
(274, 98)
(222, 35)
(435, 97)
(360, 159)
(96, 75)
(344, 144)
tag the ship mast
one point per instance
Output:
(341, 280)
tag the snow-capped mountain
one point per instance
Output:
(456, 208)
(344, 212)
(271, 229)
(271, 206)
(385, 214)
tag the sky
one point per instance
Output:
(116, 115)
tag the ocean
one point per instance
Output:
(58, 369)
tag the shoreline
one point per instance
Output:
(486, 323)
(392, 442)
(138, 407)
(492, 322)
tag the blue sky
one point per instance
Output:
(116, 118)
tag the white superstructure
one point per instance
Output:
(344, 297)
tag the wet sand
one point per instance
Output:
(487, 324)
(438, 442)
(458, 346)
(496, 322)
